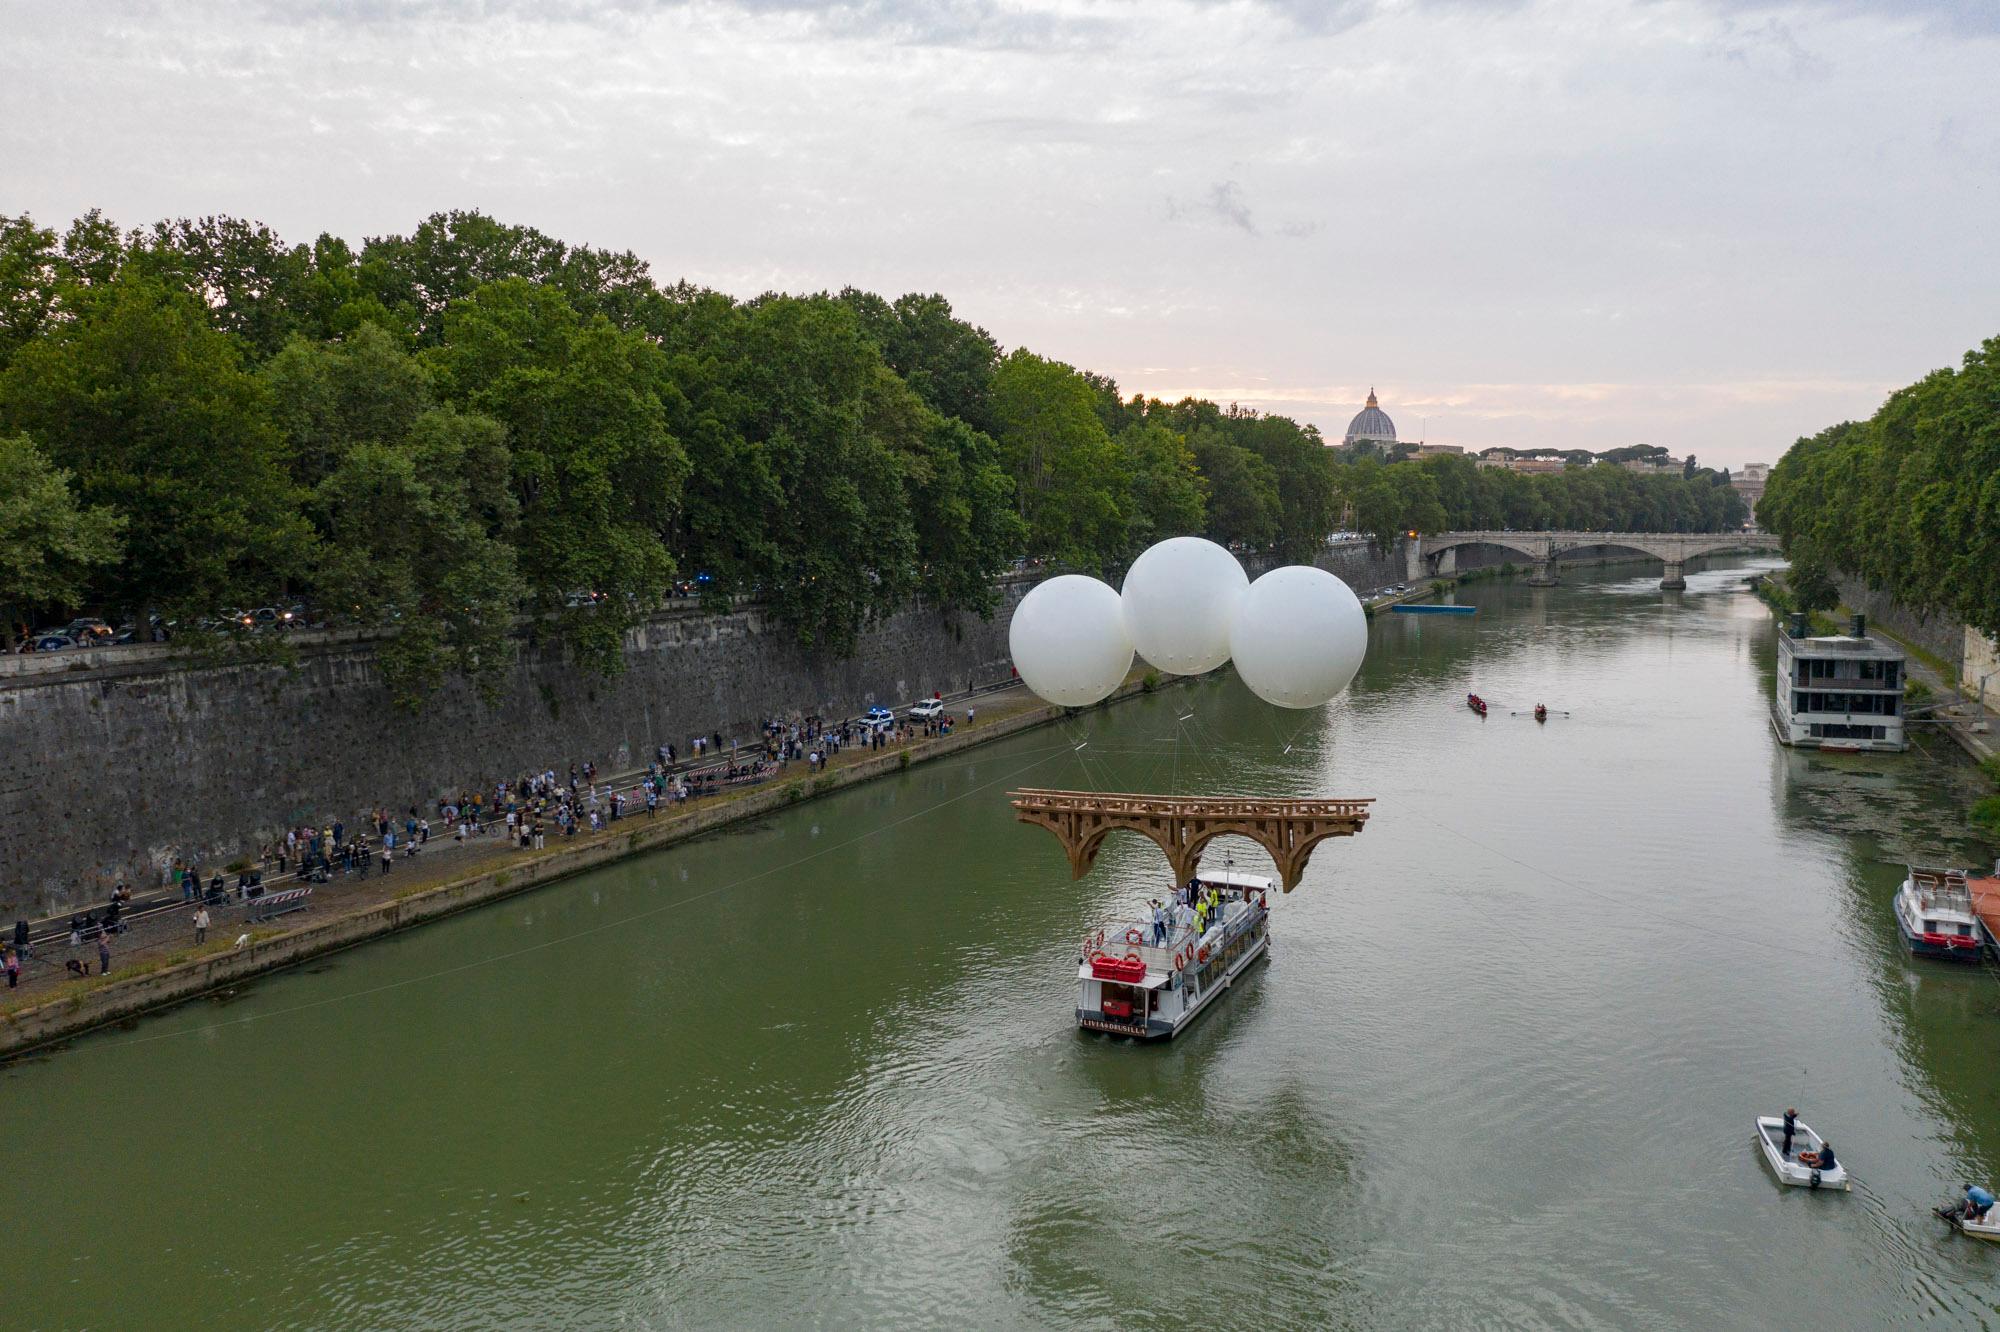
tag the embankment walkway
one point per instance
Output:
(163, 967)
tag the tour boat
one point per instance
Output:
(1131, 986)
(1986, 1227)
(1476, 703)
(1788, 1168)
(1934, 914)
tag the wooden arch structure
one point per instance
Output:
(1184, 825)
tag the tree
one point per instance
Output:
(418, 531)
(49, 544)
(1244, 507)
(1166, 495)
(946, 361)
(158, 419)
(1067, 472)
(30, 269)
(328, 397)
(597, 474)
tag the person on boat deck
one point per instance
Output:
(1823, 1159)
(1791, 1127)
(1159, 923)
(1978, 1202)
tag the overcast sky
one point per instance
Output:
(1707, 224)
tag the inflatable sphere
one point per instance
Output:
(1299, 636)
(1180, 597)
(1068, 640)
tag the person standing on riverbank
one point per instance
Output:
(13, 965)
(201, 924)
(104, 952)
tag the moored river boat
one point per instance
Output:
(1131, 986)
(1933, 911)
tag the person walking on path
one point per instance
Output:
(103, 953)
(201, 924)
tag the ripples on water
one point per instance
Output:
(1500, 1068)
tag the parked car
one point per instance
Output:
(88, 630)
(50, 640)
(928, 710)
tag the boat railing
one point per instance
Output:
(1157, 957)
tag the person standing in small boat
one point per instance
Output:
(1791, 1127)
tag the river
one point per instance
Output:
(822, 1070)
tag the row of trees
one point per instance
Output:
(476, 426)
(1908, 500)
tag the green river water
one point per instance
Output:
(823, 1071)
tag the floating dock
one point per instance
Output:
(1986, 906)
(1432, 608)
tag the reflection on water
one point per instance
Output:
(1500, 1067)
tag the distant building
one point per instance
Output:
(1526, 464)
(1371, 423)
(1655, 466)
(1439, 450)
(1749, 483)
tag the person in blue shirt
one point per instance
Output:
(1978, 1202)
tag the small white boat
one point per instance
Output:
(1788, 1167)
(1986, 1227)
(1129, 986)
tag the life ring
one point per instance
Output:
(1133, 957)
(1180, 959)
(1134, 936)
(1202, 956)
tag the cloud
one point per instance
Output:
(1483, 203)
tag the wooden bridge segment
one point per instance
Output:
(1183, 825)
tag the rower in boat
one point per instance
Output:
(1541, 712)
(1476, 703)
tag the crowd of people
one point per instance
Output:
(524, 812)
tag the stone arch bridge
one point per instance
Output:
(1437, 555)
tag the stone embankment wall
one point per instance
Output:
(1938, 635)
(119, 762)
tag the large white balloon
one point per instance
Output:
(1180, 597)
(1299, 636)
(1068, 640)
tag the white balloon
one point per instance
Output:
(1180, 597)
(1299, 636)
(1068, 640)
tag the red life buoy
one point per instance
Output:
(1202, 956)
(1134, 936)
(1179, 960)
(1132, 957)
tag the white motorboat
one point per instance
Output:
(1130, 986)
(1986, 1227)
(1790, 1168)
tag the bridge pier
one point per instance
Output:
(1543, 574)
(1673, 581)
(1447, 564)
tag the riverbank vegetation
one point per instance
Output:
(475, 428)
(1908, 500)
